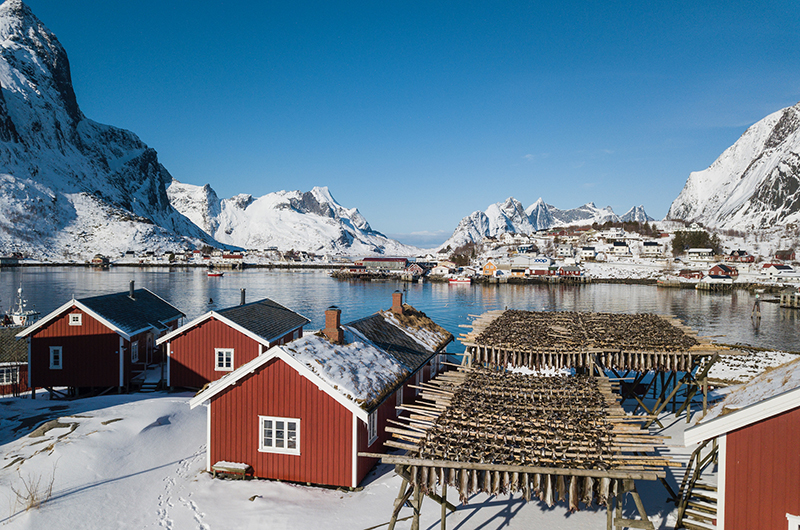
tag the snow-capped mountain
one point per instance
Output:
(71, 187)
(312, 221)
(509, 216)
(753, 184)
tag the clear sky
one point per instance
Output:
(419, 113)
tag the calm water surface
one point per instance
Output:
(725, 317)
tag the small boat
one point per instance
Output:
(215, 274)
(461, 280)
(19, 315)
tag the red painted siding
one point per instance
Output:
(276, 389)
(192, 358)
(90, 353)
(762, 472)
(21, 384)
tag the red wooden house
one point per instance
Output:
(302, 411)
(218, 342)
(98, 342)
(723, 270)
(690, 274)
(13, 363)
(758, 440)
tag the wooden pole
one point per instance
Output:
(444, 504)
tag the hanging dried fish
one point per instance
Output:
(574, 494)
(588, 491)
(463, 483)
(561, 488)
(548, 491)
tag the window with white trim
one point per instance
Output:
(794, 521)
(224, 359)
(279, 435)
(75, 319)
(372, 427)
(9, 375)
(134, 352)
(56, 357)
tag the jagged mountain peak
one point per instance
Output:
(755, 183)
(75, 187)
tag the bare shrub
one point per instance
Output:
(33, 490)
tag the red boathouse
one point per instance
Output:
(758, 438)
(302, 411)
(218, 342)
(98, 342)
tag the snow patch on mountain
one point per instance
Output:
(509, 216)
(312, 221)
(754, 184)
(71, 187)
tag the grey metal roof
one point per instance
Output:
(144, 310)
(11, 349)
(265, 318)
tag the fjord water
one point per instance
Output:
(725, 317)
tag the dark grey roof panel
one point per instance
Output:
(388, 337)
(266, 318)
(142, 311)
(11, 349)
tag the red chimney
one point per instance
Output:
(397, 302)
(333, 329)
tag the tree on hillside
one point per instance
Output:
(694, 239)
(464, 254)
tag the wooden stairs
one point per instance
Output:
(697, 499)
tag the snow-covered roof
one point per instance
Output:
(357, 374)
(772, 392)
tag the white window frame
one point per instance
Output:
(9, 375)
(794, 521)
(135, 352)
(274, 438)
(75, 319)
(223, 368)
(59, 358)
(372, 427)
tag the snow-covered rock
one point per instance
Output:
(311, 221)
(510, 217)
(753, 184)
(71, 187)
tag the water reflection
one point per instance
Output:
(726, 317)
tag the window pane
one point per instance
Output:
(291, 435)
(267, 433)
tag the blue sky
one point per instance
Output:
(419, 113)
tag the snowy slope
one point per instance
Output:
(312, 221)
(71, 187)
(755, 183)
(509, 216)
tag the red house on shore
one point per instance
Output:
(757, 430)
(218, 342)
(721, 269)
(302, 411)
(13, 363)
(98, 342)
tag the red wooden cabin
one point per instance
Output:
(218, 342)
(13, 363)
(302, 411)
(723, 270)
(98, 342)
(759, 455)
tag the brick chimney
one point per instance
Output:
(397, 302)
(333, 329)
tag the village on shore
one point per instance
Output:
(595, 417)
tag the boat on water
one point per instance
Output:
(461, 280)
(19, 315)
(217, 274)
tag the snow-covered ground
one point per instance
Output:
(136, 461)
